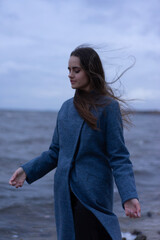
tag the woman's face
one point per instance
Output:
(77, 76)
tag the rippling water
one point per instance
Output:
(27, 213)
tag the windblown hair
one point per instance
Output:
(85, 101)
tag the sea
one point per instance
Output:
(27, 213)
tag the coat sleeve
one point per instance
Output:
(47, 161)
(118, 155)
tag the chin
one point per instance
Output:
(73, 87)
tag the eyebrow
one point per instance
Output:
(74, 67)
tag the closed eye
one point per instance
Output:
(75, 69)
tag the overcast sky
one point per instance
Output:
(37, 36)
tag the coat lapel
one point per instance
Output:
(70, 129)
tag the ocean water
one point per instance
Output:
(28, 213)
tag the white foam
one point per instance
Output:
(128, 236)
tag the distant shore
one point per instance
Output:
(146, 111)
(135, 111)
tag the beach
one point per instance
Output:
(28, 213)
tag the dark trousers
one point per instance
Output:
(87, 226)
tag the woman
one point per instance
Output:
(88, 150)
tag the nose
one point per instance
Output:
(70, 75)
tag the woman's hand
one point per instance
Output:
(18, 178)
(132, 208)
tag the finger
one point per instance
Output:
(13, 177)
(130, 213)
(136, 214)
(12, 183)
(19, 184)
(127, 212)
(12, 180)
(139, 213)
(138, 210)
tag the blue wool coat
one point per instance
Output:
(86, 161)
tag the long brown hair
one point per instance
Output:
(84, 101)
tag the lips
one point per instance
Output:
(73, 82)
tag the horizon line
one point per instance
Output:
(56, 110)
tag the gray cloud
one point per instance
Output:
(38, 36)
